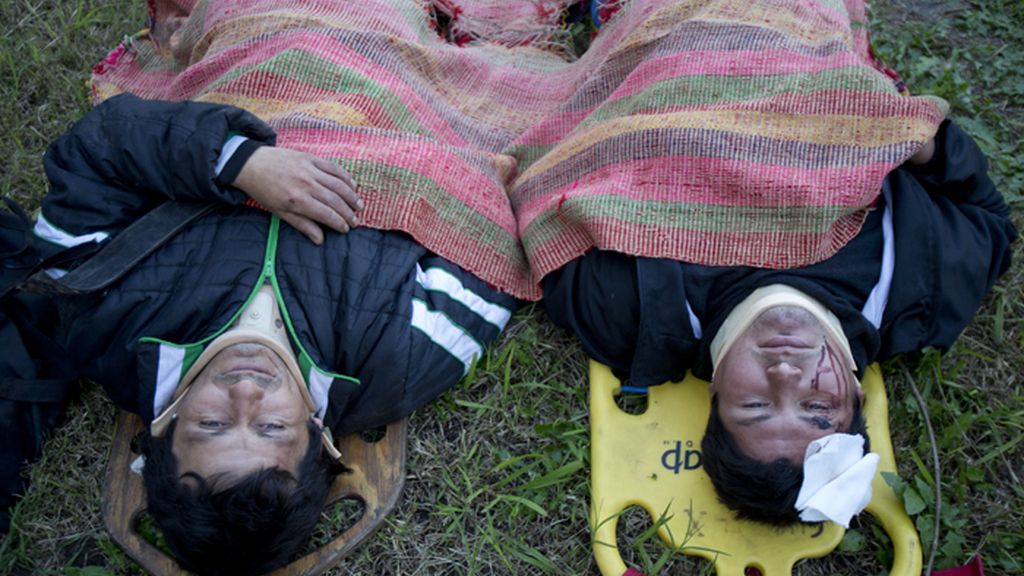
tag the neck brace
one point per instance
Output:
(260, 323)
(760, 300)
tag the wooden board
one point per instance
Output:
(377, 478)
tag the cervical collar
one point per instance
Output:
(760, 300)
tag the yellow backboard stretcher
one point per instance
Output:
(652, 460)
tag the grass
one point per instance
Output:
(498, 467)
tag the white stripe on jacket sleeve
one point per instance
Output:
(48, 231)
(440, 280)
(440, 329)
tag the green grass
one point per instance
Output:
(498, 468)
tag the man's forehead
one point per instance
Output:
(209, 455)
(230, 466)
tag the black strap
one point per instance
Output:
(123, 252)
(21, 253)
(37, 390)
(18, 225)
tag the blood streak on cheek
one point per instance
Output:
(823, 368)
(842, 376)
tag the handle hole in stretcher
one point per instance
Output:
(753, 570)
(640, 546)
(336, 518)
(865, 549)
(136, 444)
(145, 527)
(633, 403)
(374, 435)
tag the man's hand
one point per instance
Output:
(923, 155)
(304, 190)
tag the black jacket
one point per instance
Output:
(952, 242)
(379, 325)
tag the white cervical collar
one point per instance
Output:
(760, 300)
(260, 323)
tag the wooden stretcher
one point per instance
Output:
(377, 478)
(652, 460)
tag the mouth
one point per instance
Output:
(249, 368)
(258, 364)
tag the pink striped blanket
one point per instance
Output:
(722, 132)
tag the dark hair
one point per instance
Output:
(763, 492)
(253, 526)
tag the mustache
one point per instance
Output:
(262, 380)
(787, 312)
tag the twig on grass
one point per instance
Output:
(935, 464)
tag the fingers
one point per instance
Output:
(304, 190)
(307, 227)
(925, 154)
(341, 200)
(339, 217)
(321, 195)
(338, 199)
(339, 182)
(331, 169)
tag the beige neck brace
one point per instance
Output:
(760, 300)
(260, 323)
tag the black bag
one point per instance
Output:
(36, 381)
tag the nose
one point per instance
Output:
(784, 373)
(246, 390)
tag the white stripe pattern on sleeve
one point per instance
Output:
(878, 299)
(319, 388)
(440, 280)
(168, 376)
(440, 329)
(47, 231)
(229, 149)
(698, 333)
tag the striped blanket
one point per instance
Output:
(722, 132)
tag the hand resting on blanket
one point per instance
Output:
(304, 190)
(923, 155)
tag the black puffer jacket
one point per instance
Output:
(380, 325)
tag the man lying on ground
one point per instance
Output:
(783, 349)
(246, 336)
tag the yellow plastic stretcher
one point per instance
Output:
(652, 460)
